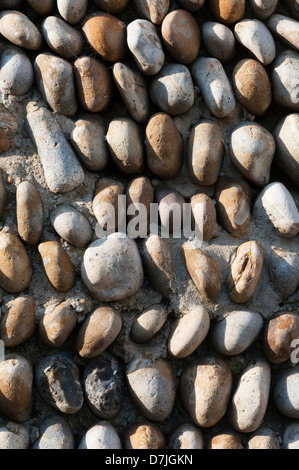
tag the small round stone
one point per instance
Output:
(285, 29)
(262, 9)
(236, 332)
(62, 38)
(16, 379)
(172, 89)
(18, 322)
(263, 438)
(98, 331)
(256, 37)
(279, 335)
(219, 41)
(205, 388)
(170, 205)
(121, 273)
(226, 440)
(143, 435)
(18, 29)
(16, 268)
(203, 215)
(227, 11)
(55, 327)
(139, 191)
(148, 323)
(55, 433)
(285, 79)
(286, 137)
(42, 7)
(152, 10)
(186, 436)
(71, 225)
(106, 203)
(14, 436)
(104, 386)
(57, 381)
(100, 436)
(285, 393)
(16, 71)
(30, 214)
(283, 269)
(291, 436)
(58, 266)
(152, 386)
(72, 10)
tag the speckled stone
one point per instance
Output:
(54, 433)
(100, 436)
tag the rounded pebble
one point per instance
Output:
(285, 79)
(14, 436)
(98, 331)
(291, 436)
(143, 435)
(106, 202)
(101, 436)
(16, 71)
(148, 323)
(286, 134)
(104, 386)
(152, 10)
(186, 436)
(279, 335)
(255, 36)
(285, 393)
(192, 5)
(236, 332)
(152, 386)
(16, 269)
(30, 214)
(262, 9)
(226, 440)
(139, 191)
(283, 269)
(18, 29)
(120, 275)
(286, 29)
(170, 205)
(204, 215)
(205, 388)
(55, 327)
(219, 41)
(227, 11)
(55, 433)
(18, 322)
(113, 6)
(62, 38)
(71, 225)
(42, 7)
(57, 264)
(263, 438)
(72, 11)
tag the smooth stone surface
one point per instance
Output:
(255, 36)
(16, 71)
(103, 383)
(55, 433)
(285, 79)
(226, 440)
(107, 35)
(172, 89)
(204, 390)
(72, 10)
(71, 225)
(286, 135)
(283, 269)
(205, 152)
(263, 438)
(152, 386)
(120, 275)
(171, 205)
(133, 90)
(219, 41)
(152, 10)
(106, 204)
(101, 436)
(252, 86)
(18, 322)
(145, 46)
(252, 150)
(203, 216)
(42, 7)
(276, 205)
(285, 391)
(58, 265)
(93, 84)
(16, 269)
(210, 76)
(188, 332)
(62, 38)
(14, 436)
(233, 204)
(236, 332)
(148, 323)
(18, 29)
(245, 271)
(143, 435)
(203, 271)
(262, 9)
(250, 399)
(62, 169)
(164, 146)
(57, 381)
(30, 213)
(16, 379)
(125, 142)
(290, 438)
(89, 142)
(280, 333)
(227, 11)
(181, 36)
(139, 191)
(98, 331)
(285, 29)
(55, 327)
(112, 6)
(186, 436)
(157, 259)
(55, 81)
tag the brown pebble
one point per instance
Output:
(164, 146)
(30, 216)
(143, 435)
(140, 191)
(204, 215)
(58, 266)
(181, 36)
(227, 440)
(18, 323)
(107, 191)
(233, 197)
(227, 11)
(279, 335)
(107, 35)
(98, 331)
(252, 86)
(93, 83)
(114, 7)
(16, 268)
(55, 327)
